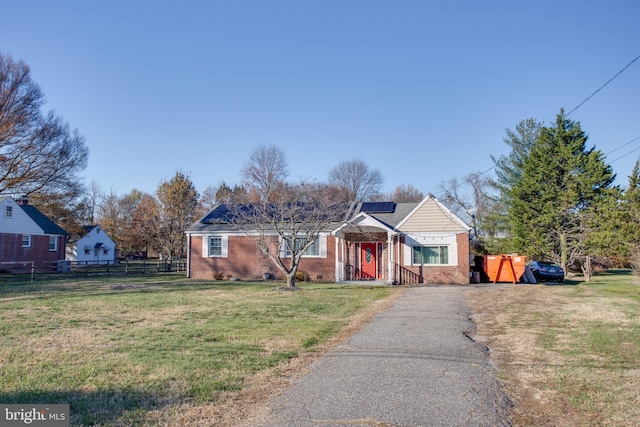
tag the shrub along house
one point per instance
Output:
(394, 243)
(27, 235)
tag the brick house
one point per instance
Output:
(394, 243)
(27, 235)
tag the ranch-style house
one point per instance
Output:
(388, 242)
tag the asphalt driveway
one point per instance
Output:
(414, 364)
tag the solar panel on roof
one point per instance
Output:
(378, 207)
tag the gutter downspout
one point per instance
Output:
(188, 255)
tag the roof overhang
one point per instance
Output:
(363, 223)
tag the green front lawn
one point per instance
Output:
(135, 351)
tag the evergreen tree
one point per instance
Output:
(630, 224)
(508, 170)
(562, 183)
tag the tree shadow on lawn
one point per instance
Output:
(100, 407)
(565, 282)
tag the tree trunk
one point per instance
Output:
(291, 280)
(586, 269)
(564, 250)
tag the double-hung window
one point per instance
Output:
(8, 211)
(318, 248)
(313, 250)
(430, 255)
(215, 246)
(26, 240)
(53, 243)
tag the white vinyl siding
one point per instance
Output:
(431, 216)
(18, 222)
(439, 249)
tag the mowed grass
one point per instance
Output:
(149, 350)
(568, 355)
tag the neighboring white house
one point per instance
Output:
(95, 247)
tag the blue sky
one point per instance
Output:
(420, 90)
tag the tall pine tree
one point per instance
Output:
(508, 170)
(561, 182)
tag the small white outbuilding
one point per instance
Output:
(95, 247)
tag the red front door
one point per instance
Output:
(368, 261)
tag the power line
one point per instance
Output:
(574, 109)
(625, 155)
(623, 145)
(609, 81)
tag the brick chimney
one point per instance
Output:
(24, 201)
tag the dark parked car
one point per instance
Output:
(546, 271)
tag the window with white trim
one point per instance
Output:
(318, 248)
(215, 246)
(313, 250)
(26, 241)
(87, 249)
(53, 243)
(8, 211)
(430, 255)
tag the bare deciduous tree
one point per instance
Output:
(468, 198)
(355, 181)
(290, 223)
(111, 217)
(37, 151)
(406, 193)
(265, 170)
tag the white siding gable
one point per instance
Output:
(19, 222)
(96, 236)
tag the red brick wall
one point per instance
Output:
(457, 275)
(247, 262)
(11, 249)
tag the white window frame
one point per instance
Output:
(28, 240)
(54, 240)
(439, 247)
(320, 243)
(87, 250)
(206, 246)
(8, 211)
